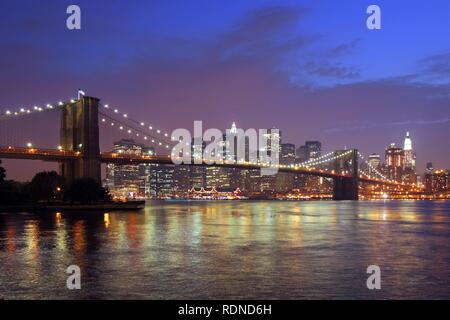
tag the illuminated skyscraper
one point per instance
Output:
(287, 154)
(428, 181)
(313, 149)
(409, 175)
(395, 160)
(441, 181)
(375, 160)
(410, 157)
(374, 163)
(128, 180)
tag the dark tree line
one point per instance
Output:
(49, 186)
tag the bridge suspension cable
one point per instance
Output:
(8, 114)
(139, 128)
(132, 130)
(372, 169)
(331, 156)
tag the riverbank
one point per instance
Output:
(110, 206)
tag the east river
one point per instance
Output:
(231, 250)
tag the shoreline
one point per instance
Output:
(132, 205)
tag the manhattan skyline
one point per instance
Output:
(262, 64)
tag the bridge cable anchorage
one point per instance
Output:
(8, 114)
(144, 128)
(124, 127)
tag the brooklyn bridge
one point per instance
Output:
(79, 154)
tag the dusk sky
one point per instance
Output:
(310, 68)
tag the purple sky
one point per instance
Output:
(310, 68)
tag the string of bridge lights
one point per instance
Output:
(373, 169)
(143, 125)
(323, 159)
(35, 109)
(306, 163)
(132, 132)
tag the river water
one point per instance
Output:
(231, 250)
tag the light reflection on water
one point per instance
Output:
(201, 250)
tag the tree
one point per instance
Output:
(2, 173)
(86, 190)
(47, 185)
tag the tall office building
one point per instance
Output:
(441, 181)
(375, 160)
(395, 160)
(313, 149)
(428, 179)
(128, 181)
(265, 183)
(197, 174)
(287, 154)
(374, 163)
(410, 157)
(300, 154)
(273, 142)
(160, 177)
(409, 175)
(285, 181)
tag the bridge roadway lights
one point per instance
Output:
(80, 132)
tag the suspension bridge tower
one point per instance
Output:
(80, 132)
(346, 188)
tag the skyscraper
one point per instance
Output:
(128, 180)
(287, 154)
(313, 149)
(395, 159)
(428, 181)
(300, 154)
(375, 160)
(410, 158)
(441, 181)
(161, 180)
(409, 175)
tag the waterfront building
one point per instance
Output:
(428, 179)
(128, 181)
(441, 181)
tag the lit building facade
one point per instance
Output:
(395, 160)
(409, 174)
(128, 181)
(428, 179)
(441, 181)
(313, 149)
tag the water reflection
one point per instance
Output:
(231, 250)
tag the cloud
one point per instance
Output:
(437, 65)
(391, 124)
(329, 70)
(263, 33)
(343, 49)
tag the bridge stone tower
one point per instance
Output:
(346, 188)
(80, 132)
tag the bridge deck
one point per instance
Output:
(121, 159)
